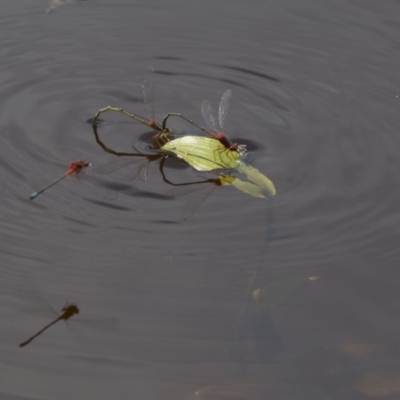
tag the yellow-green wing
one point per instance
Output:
(259, 179)
(244, 186)
(203, 153)
(249, 188)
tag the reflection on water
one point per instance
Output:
(380, 383)
(228, 391)
(54, 4)
(67, 312)
(198, 194)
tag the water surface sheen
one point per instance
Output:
(295, 298)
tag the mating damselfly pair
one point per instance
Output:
(215, 127)
(183, 149)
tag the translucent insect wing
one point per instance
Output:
(143, 170)
(224, 107)
(208, 116)
(118, 164)
(147, 92)
(198, 194)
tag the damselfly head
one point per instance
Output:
(70, 308)
(242, 150)
(81, 164)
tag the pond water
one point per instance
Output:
(293, 297)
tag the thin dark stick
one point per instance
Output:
(151, 123)
(166, 180)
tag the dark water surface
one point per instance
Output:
(295, 298)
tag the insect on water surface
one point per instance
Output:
(67, 312)
(216, 128)
(74, 168)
